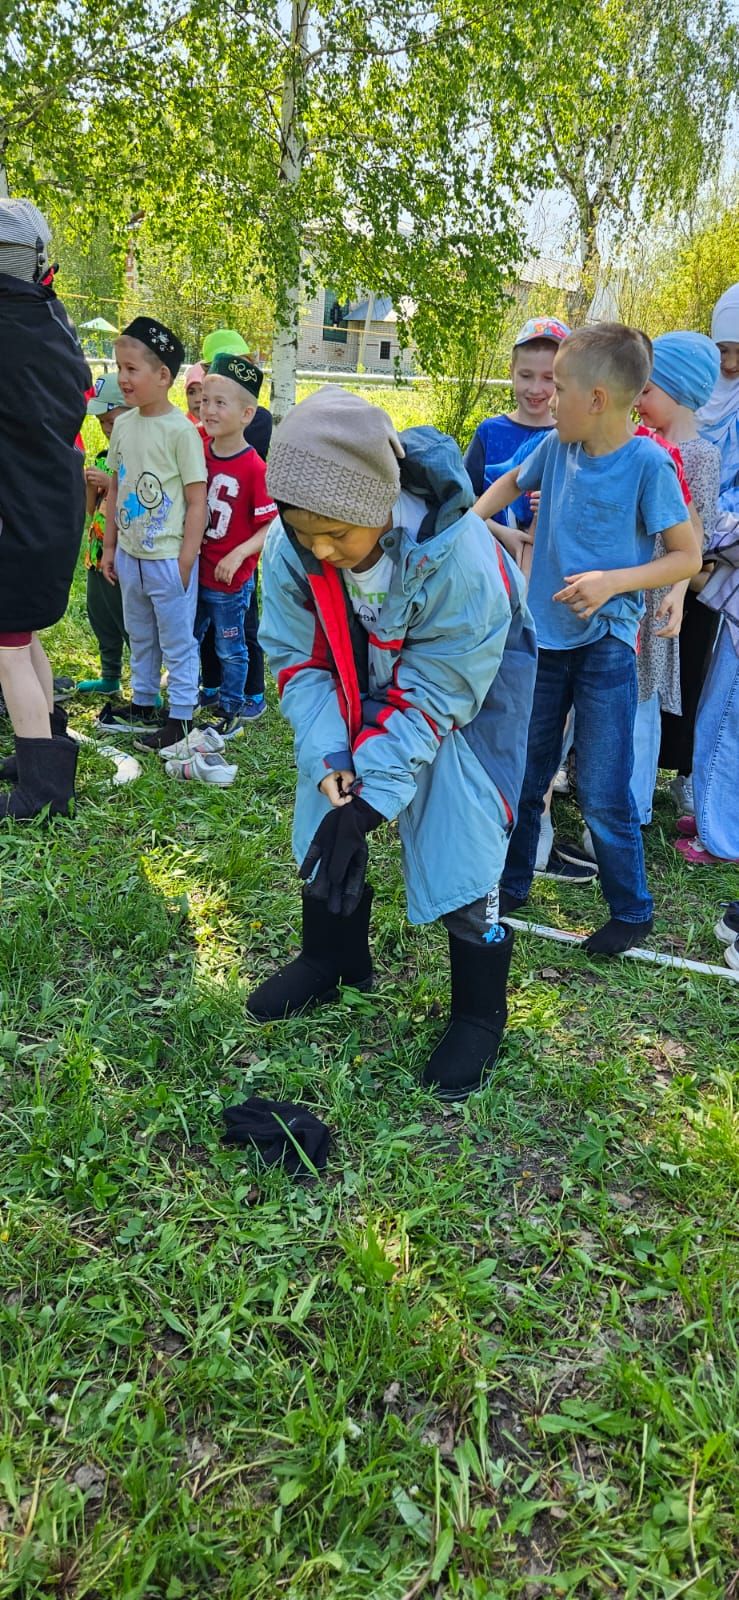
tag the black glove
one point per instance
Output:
(259, 1122)
(339, 850)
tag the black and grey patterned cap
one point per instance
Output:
(24, 236)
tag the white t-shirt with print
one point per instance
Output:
(155, 459)
(367, 590)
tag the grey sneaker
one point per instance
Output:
(681, 790)
(207, 768)
(199, 741)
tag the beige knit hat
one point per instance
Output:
(337, 456)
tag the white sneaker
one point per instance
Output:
(731, 955)
(727, 927)
(199, 741)
(561, 782)
(209, 768)
(681, 790)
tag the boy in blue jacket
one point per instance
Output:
(405, 661)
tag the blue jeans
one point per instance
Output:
(716, 752)
(599, 680)
(226, 612)
(647, 732)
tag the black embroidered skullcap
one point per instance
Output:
(241, 369)
(162, 341)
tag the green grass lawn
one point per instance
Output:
(492, 1353)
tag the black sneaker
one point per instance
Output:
(727, 927)
(230, 725)
(560, 871)
(567, 850)
(509, 904)
(129, 718)
(163, 734)
(63, 688)
(209, 714)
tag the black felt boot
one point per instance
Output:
(46, 769)
(58, 724)
(469, 1047)
(335, 950)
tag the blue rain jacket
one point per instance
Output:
(430, 711)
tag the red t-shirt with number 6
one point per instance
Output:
(238, 505)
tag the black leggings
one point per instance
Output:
(697, 637)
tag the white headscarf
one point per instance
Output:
(718, 420)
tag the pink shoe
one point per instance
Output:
(686, 827)
(693, 852)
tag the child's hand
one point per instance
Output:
(228, 566)
(99, 480)
(701, 579)
(107, 564)
(672, 611)
(335, 786)
(514, 540)
(586, 592)
(185, 572)
(521, 545)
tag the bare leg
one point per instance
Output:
(25, 694)
(42, 669)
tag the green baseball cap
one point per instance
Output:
(225, 341)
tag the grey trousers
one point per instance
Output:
(160, 618)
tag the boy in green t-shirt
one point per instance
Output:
(155, 518)
(104, 606)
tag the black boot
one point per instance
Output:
(46, 769)
(469, 1047)
(58, 724)
(335, 950)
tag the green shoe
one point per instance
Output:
(99, 686)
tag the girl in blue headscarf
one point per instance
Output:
(684, 374)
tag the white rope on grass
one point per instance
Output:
(637, 954)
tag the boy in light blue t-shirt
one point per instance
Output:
(604, 497)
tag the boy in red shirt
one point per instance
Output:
(240, 511)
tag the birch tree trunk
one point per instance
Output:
(292, 158)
